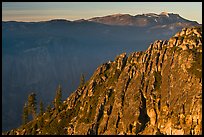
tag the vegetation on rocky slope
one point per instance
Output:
(158, 91)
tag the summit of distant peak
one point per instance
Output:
(164, 13)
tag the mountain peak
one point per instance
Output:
(143, 20)
(164, 13)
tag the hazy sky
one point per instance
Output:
(40, 11)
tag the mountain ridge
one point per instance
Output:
(157, 91)
(120, 17)
(38, 54)
(142, 20)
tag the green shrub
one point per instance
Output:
(181, 38)
(196, 66)
(173, 49)
(158, 80)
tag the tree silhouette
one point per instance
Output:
(58, 98)
(25, 114)
(32, 104)
(48, 108)
(34, 128)
(82, 80)
(41, 108)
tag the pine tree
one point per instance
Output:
(48, 108)
(41, 108)
(25, 114)
(58, 98)
(82, 80)
(32, 104)
(40, 122)
(34, 128)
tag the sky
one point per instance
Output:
(42, 11)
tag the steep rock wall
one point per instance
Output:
(158, 91)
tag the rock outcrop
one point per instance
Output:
(158, 91)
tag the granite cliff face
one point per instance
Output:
(37, 56)
(158, 91)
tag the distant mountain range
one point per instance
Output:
(37, 56)
(144, 20)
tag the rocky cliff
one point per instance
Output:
(37, 56)
(158, 91)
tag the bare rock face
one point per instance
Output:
(158, 91)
